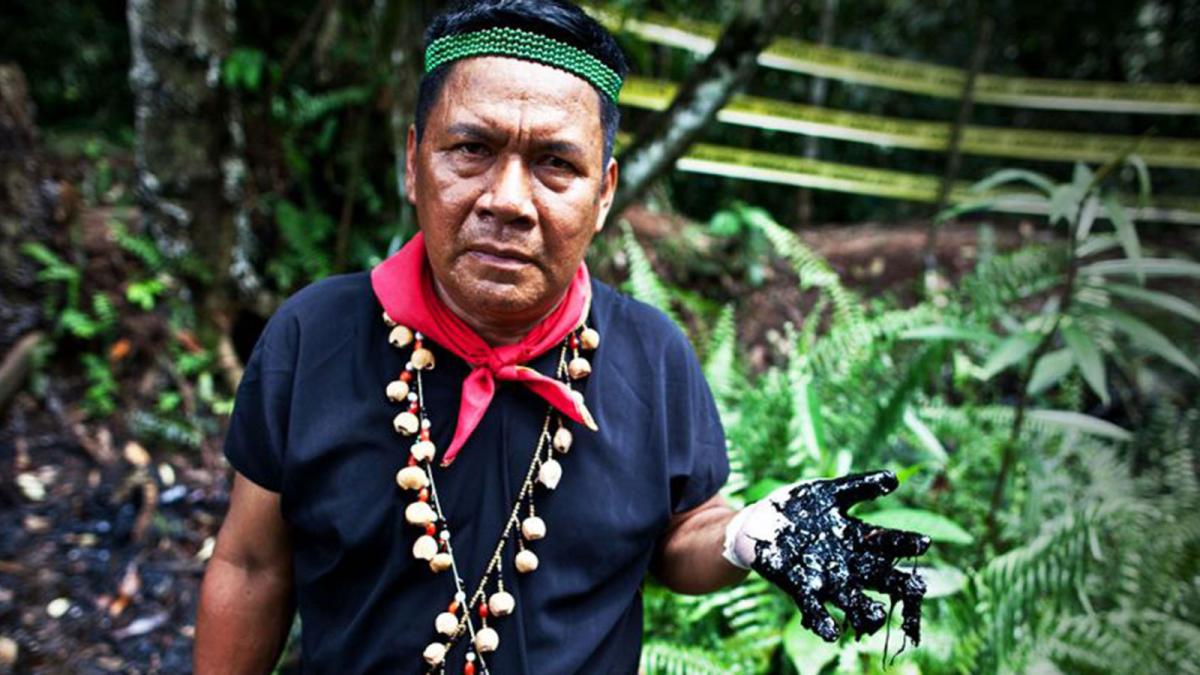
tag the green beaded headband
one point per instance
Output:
(523, 44)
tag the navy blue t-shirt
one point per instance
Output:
(311, 421)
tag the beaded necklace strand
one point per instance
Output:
(434, 545)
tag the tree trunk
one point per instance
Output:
(409, 18)
(983, 36)
(24, 213)
(189, 167)
(817, 94)
(669, 133)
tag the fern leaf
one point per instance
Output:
(720, 362)
(644, 284)
(813, 270)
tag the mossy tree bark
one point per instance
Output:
(24, 217)
(405, 23)
(189, 168)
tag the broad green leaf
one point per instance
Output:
(1049, 369)
(944, 332)
(1064, 202)
(762, 488)
(1150, 267)
(1082, 178)
(1158, 299)
(1127, 233)
(1011, 351)
(725, 223)
(1067, 419)
(957, 210)
(1087, 357)
(925, 436)
(1006, 176)
(1087, 218)
(1143, 174)
(1151, 340)
(902, 475)
(942, 581)
(807, 651)
(937, 527)
(806, 418)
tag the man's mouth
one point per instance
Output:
(498, 256)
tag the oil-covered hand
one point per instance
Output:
(801, 539)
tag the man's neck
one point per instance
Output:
(499, 333)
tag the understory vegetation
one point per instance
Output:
(1045, 434)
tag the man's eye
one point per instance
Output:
(472, 149)
(558, 163)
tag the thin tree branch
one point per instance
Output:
(954, 148)
(669, 133)
(1008, 457)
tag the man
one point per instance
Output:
(552, 440)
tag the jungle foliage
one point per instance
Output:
(1039, 414)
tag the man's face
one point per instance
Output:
(509, 186)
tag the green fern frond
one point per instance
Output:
(1002, 280)
(105, 310)
(644, 284)
(141, 247)
(737, 482)
(1084, 644)
(720, 359)
(848, 343)
(813, 270)
(666, 658)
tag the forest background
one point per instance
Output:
(1008, 324)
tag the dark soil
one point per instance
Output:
(101, 556)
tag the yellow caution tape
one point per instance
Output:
(762, 113)
(809, 58)
(815, 174)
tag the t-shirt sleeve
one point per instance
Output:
(257, 438)
(697, 459)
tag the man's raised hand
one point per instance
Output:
(801, 539)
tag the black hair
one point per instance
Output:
(557, 19)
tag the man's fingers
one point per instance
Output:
(910, 589)
(860, 487)
(814, 617)
(895, 543)
(864, 614)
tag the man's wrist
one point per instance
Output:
(732, 530)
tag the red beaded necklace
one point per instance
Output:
(434, 545)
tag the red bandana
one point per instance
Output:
(404, 286)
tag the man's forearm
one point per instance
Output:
(243, 619)
(689, 558)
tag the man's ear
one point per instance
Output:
(608, 190)
(410, 165)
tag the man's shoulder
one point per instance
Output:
(321, 315)
(649, 328)
(335, 299)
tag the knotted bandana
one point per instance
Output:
(404, 286)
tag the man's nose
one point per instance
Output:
(510, 196)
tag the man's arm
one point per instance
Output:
(246, 600)
(688, 559)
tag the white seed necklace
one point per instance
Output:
(434, 546)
